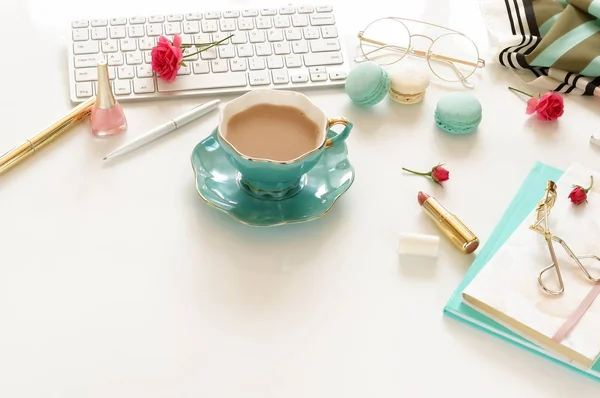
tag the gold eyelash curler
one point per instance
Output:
(543, 210)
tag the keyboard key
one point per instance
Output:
(203, 39)
(115, 59)
(237, 65)
(275, 35)
(141, 86)
(85, 47)
(193, 16)
(154, 29)
(263, 23)
(218, 36)
(329, 32)
(85, 61)
(280, 76)
(83, 90)
(316, 69)
(201, 67)
(299, 21)
(256, 36)
(226, 52)
(147, 56)
(300, 47)
(175, 17)
(245, 50)
(322, 19)
(324, 8)
(204, 81)
(268, 11)
(172, 28)
(122, 87)
(211, 53)
(275, 62)
(282, 48)
(99, 22)
(250, 13)
(80, 34)
(287, 10)
(156, 19)
(256, 63)
(86, 74)
(334, 58)
(128, 45)
(118, 21)
(299, 78)
(311, 33)
(259, 78)
(337, 75)
(99, 33)
(136, 30)
(231, 14)
(191, 27)
(293, 34)
(212, 15)
(137, 20)
(227, 25)
(133, 58)
(209, 26)
(318, 46)
(264, 49)
(110, 46)
(318, 77)
(146, 43)
(239, 38)
(293, 61)
(80, 24)
(126, 72)
(219, 66)
(118, 32)
(305, 10)
(245, 24)
(281, 21)
(184, 70)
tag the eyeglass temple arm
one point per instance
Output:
(480, 63)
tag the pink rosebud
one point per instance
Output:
(437, 173)
(579, 194)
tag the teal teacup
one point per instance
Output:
(277, 179)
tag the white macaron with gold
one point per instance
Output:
(409, 82)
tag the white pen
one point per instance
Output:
(163, 129)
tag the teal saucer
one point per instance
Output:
(218, 184)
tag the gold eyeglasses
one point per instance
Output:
(451, 56)
(541, 226)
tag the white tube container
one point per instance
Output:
(419, 245)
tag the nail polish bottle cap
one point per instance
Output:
(105, 98)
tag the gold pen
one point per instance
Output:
(19, 153)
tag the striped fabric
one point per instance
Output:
(554, 44)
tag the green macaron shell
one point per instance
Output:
(367, 84)
(458, 113)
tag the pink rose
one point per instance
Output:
(550, 107)
(579, 194)
(439, 174)
(167, 57)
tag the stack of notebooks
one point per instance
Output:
(500, 293)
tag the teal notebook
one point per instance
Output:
(531, 190)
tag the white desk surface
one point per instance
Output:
(121, 282)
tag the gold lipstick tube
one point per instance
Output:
(453, 228)
(30, 146)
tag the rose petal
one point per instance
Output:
(532, 104)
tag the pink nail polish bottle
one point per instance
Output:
(107, 118)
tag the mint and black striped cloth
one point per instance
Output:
(554, 44)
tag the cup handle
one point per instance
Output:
(341, 136)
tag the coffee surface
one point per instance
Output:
(272, 132)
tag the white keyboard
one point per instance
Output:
(287, 48)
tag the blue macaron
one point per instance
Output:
(458, 113)
(367, 84)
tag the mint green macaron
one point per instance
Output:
(367, 84)
(458, 113)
